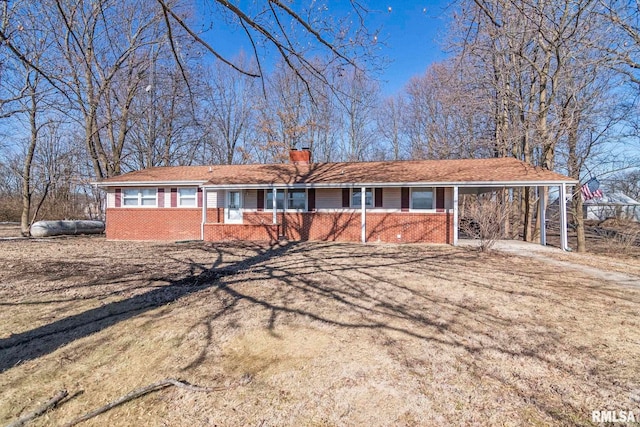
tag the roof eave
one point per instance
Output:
(198, 183)
(543, 183)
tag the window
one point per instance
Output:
(296, 199)
(422, 198)
(234, 200)
(139, 197)
(279, 200)
(356, 200)
(187, 197)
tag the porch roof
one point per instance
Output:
(491, 172)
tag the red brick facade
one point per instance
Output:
(153, 223)
(255, 232)
(185, 224)
(396, 227)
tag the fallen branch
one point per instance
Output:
(41, 410)
(149, 389)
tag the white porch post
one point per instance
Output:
(275, 205)
(542, 210)
(564, 244)
(204, 212)
(455, 216)
(363, 210)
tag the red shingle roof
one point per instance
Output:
(493, 170)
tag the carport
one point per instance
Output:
(542, 189)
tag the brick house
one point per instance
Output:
(404, 201)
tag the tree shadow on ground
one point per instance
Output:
(354, 284)
(37, 342)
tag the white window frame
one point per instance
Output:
(238, 209)
(306, 199)
(139, 197)
(433, 199)
(359, 205)
(278, 195)
(189, 197)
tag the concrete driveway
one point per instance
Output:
(550, 254)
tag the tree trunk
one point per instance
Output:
(574, 165)
(28, 160)
(579, 220)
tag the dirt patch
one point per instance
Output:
(331, 334)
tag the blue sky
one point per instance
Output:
(410, 35)
(413, 32)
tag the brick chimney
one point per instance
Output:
(300, 157)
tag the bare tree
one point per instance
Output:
(389, 124)
(445, 114)
(229, 114)
(627, 182)
(164, 123)
(284, 121)
(29, 99)
(530, 51)
(106, 47)
(34, 127)
(299, 34)
(359, 105)
(482, 219)
(622, 44)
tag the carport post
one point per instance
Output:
(562, 200)
(204, 212)
(455, 216)
(275, 205)
(363, 209)
(542, 193)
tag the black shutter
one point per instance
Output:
(346, 195)
(260, 200)
(439, 199)
(311, 199)
(404, 199)
(378, 197)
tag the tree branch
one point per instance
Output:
(166, 9)
(150, 389)
(41, 410)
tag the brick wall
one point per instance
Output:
(250, 232)
(153, 223)
(215, 215)
(184, 224)
(396, 227)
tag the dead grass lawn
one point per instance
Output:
(331, 334)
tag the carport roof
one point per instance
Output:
(462, 172)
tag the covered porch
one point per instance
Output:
(241, 213)
(328, 213)
(541, 191)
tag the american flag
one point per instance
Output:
(588, 194)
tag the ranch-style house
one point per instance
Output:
(390, 201)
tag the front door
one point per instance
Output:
(233, 212)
